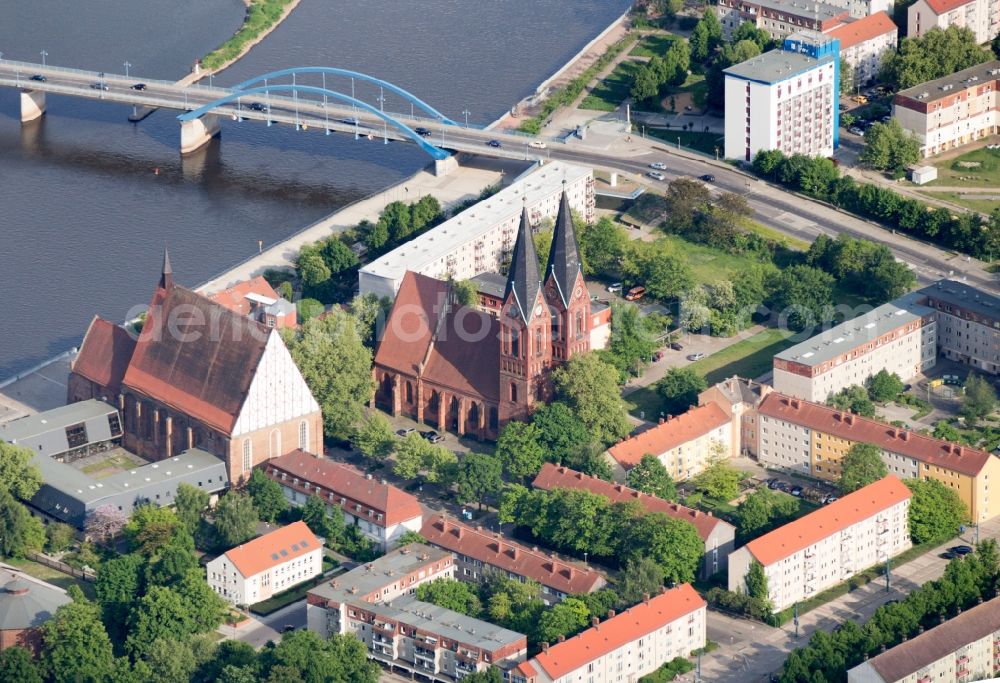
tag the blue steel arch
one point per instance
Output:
(350, 74)
(436, 152)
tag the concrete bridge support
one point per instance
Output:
(32, 105)
(197, 132)
(443, 167)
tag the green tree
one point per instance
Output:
(754, 512)
(630, 345)
(451, 594)
(370, 312)
(17, 665)
(58, 537)
(679, 389)
(641, 576)
(172, 561)
(171, 659)
(267, 497)
(160, 613)
(235, 519)
(888, 147)
(76, 646)
(410, 456)
(304, 657)
(519, 450)
(480, 477)
(589, 387)
(205, 609)
(646, 84)
(700, 42)
(650, 476)
(120, 583)
(854, 399)
(674, 544)
(190, 504)
(884, 386)
(861, 466)
(375, 439)
(936, 511)
(935, 54)
(803, 296)
(846, 77)
(410, 536)
(466, 293)
(980, 399)
(566, 618)
(757, 584)
(561, 433)
(719, 480)
(603, 247)
(150, 528)
(20, 532)
(311, 267)
(323, 522)
(17, 473)
(337, 367)
(945, 431)
(665, 275)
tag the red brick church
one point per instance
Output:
(464, 370)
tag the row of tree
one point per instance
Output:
(934, 54)
(818, 177)
(670, 69)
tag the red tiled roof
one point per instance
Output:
(104, 354)
(197, 357)
(862, 30)
(274, 548)
(495, 550)
(805, 531)
(448, 352)
(557, 477)
(940, 7)
(234, 298)
(395, 505)
(968, 461)
(621, 629)
(671, 433)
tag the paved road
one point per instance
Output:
(262, 629)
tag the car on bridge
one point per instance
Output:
(708, 178)
(100, 85)
(422, 132)
(537, 144)
(257, 106)
(139, 86)
(658, 165)
(494, 143)
(40, 78)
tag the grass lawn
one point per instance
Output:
(708, 264)
(774, 235)
(653, 45)
(53, 576)
(750, 358)
(703, 142)
(116, 462)
(608, 94)
(969, 201)
(957, 172)
(644, 403)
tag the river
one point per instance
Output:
(90, 200)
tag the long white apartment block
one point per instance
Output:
(899, 337)
(476, 240)
(828, 546)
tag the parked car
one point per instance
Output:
(796, 491)
(677, 346)
(961, 549)
(494, 143)
(615, 287)
(657, 355)
(658, 165)
(422, 132)
(708, 178)
(635, 293)
(288, 628)
(656, 175)
(405, 432)
(829, 499)
(537, 144)
(782, 486)
(949, 555)
(856, 130)
(772, 483)
(844, 107)
(886, 119)
(696, 356)
(860, 99)
(432, 436)
(40, 78)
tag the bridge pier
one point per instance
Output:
(445, 166)
(196, 133)
(32, 105)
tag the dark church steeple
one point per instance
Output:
(564, 255)
(167, 273)
(523, 279)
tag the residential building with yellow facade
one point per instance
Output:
(738, 398)
(800, 436)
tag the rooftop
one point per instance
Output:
(635, 622)
(840, 514)
(346, 482)
(238, 297)
(274, 548)
(853, 333)
(490, 284)
(909, 657)
(556, 477)
(946, 86)
(371, 577)
(941, 6)
(473, 223)
(27, 602)
(968, 298)
(802, 8)
(852, 33)
(45, 433)
(669, 434)
(496, 550)
(776, 66)
(963, 459)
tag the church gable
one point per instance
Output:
(277, 392)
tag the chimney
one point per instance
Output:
(663, 589)
(611, 614)
(562, 470)
(645, 597)
(513, 551)
(569, 572)
(562, 638)
(458, 532)
(849, 418)
(594, 621)
(661, 421)
(545, 646)
(619, 488)
(368, 476)
(579, 475)
(904, 435)
(383, 481)
(479, 527)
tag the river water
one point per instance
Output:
(88, 200)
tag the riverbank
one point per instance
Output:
(254, 29)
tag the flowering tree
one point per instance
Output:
(105, 522)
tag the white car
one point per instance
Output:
(658, 165)
(537, 144)
(656, 175)
(615, 287)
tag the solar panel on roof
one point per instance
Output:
(304, 544)
(284, 553)
(274, 556)
(295, 547)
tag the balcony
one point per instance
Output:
(423, 653)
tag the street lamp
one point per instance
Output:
(126, 65)
(678, 142)
(466, 112)
(44, 54)
(381, 98)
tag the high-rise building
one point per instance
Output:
(863, 43)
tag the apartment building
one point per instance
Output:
(785, 99)
(782, 17)
(828, 546)
(964, 648)
(478, 551)
(953, 110)
(799, 436)
(382, 512)
(898, 337)
(478, 239)
(685, 444)
(982, 17)
(968, 323)
(863, 43)
(717, 535)
(268, 564)
(739, 399)
(625, 646)
(375, 602)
